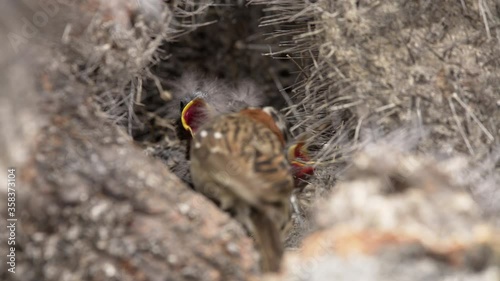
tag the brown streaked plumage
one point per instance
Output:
(197, 112)
(238, 160)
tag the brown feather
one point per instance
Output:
(264, 118)
(268, 240)
(239, 162)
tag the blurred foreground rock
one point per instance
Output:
(397, 216)
(91, 205)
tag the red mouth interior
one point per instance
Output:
(195, 114)
(298, 154)
(300, 171)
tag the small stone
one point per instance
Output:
(232, 248)
(184, 208)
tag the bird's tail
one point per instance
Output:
(268, 239)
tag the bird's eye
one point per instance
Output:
(182, 104)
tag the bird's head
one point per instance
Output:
(299, 159)
(270, 117)
(297, 153)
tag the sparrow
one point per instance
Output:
(198, 111)
(238, 160)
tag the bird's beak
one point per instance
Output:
(301, 170)
(192, 114)
(300, 161)
(298, 151)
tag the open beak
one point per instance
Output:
(193, 114)
(301, 170)
(298, 151)
(300, 161)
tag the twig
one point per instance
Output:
(459, 126)
(485, 20)
(469, 111)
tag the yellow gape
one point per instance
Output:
(192, 113)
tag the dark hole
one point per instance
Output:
(284, 73)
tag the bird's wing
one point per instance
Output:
(245, 160)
